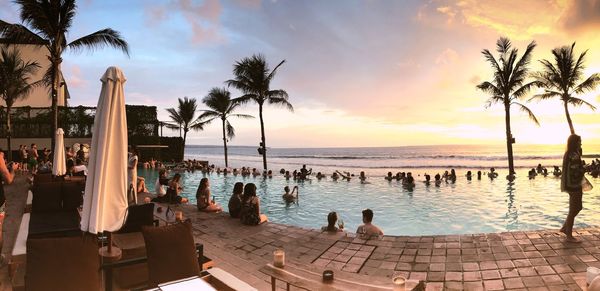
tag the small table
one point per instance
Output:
(162, 216)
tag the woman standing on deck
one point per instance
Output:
(132, 163)
(571, 182)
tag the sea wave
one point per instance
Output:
(425, 157)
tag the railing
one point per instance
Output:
(36, 122)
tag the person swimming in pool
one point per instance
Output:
(290, 196)
(335, 176)
(363, 178)
(389, 176)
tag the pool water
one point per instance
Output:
(461, 208)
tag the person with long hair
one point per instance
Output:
(250, 213)
(174, 190)
(331, 222)
(235, 201)
(570, 182)
(203, 201)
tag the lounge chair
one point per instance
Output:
(64, 263)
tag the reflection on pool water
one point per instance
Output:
(465, 207)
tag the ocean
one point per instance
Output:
(377, 161)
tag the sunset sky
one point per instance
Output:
(359, 73)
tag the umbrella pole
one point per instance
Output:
(109, 251)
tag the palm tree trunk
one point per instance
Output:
(262, 134)
(8, 131)
(509, 142)
(55, 81)
(569, 118)
(224, 143)
(185, 131)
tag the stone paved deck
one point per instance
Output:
(537, 260)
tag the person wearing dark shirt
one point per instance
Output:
(235, 201)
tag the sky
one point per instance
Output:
(359, 73)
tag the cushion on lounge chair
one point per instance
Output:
(53, 224)
(138, 216)
(47, 197)
(42, 178)
(72, 195)
(171, 252)
(68, 263)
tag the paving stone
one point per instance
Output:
(435, 276)
(513, 283)
(472, 276)
(490, 274)
(473, 286)
(453, 276)
(534, 281)
(493, 285)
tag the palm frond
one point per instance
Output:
(16, 33)
(588, 85)
(244, 116)
(100, 39)
(579, 102)
(229, 130)
(281, 102)
(524, 108)
(546, 95)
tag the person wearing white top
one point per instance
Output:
(158, 186)
(80, 168)
(132, 170)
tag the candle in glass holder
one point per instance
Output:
(147, 200)
(178, 215)
(279, 258)
(399, 283)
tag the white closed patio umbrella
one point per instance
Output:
(59, 166)
(105, 199)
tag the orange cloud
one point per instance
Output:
(582, 14)
(515, 19)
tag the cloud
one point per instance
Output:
(202, 18)
(523, 21)
(475, 79)
(448, 56)
(75, 77)
(582, 14)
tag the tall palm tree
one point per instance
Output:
(47, 23)
(185, 118)
(222, 107)
(509, 85)
(15, 84)
(561, 80)
(253, 77)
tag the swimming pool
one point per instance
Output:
(464, 207)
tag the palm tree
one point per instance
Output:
(253, 77)
(222, 107)
(47, 23)
(560, 80)
(185, 118)
(15, 84)
(509, 85)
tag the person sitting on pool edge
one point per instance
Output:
(250, 213)
(235, 202)
(331, 221)
(290, 196)
(204, 203)
(367, 229)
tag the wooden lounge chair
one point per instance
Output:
(63, 263)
